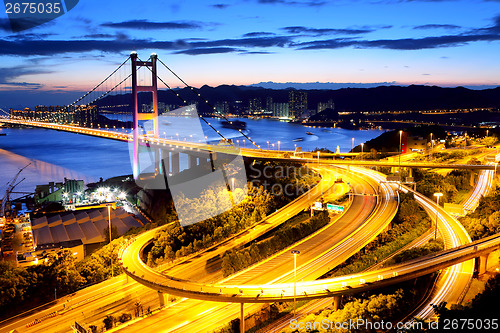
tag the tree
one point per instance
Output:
(109, 322)
(14, 282)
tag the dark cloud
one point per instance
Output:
(147, 25)
(399, 44)
(327, 31)
(28, 47)
(437, 26)
(220, 6)
(258, 34)
(5, 25)
(278, 41)
(208, 50)
(98, 36)
(9, 76)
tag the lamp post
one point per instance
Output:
(279, 142)
(432, 147)
(400, 151)
(352, 145)
(294, 252)
(437, 195)
(109, 227)
(362, 145)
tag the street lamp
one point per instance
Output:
(400, 151)
(294, 252)
(432, 147)
(109, 223)
(352, 145)
(279, 145)
(362, 145)
(437, 195)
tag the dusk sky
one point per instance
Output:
(445, 43)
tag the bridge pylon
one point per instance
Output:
(137, 115)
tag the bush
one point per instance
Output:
(124, 317)
(291, 232)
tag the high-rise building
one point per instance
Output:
(326, 105)
(269, 104)
(255, 106)
(222, 107)
(280, 110)
(297, 101)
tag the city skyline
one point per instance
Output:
(444, 43)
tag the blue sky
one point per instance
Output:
(446, 43)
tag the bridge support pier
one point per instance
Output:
(192, 161)
(162, 299)
(336, 302)
(483, 262)
(175, 163)
(242, 319)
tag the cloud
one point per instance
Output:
(5, 25)
(327, 31)
(147, 25)
(437, 26)
(220, 6)
(258, 34)
(9, 76)
(208, 50)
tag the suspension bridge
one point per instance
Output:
(131, 115)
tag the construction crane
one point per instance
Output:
(10, 189)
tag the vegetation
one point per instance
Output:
(291, 232)
(272, 186)
(57, 275)
(431, 247)
(409, 223)
(483, 306)
(429, 183)
(485, 220)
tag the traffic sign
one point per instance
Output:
(335, 208)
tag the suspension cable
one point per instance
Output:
(206, 102)
(78, 100)
(185, 102)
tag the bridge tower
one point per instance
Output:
(153, 88)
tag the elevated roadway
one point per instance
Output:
(273, 154)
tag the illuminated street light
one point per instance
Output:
(437, 195)
(109, 222)
(400, 151)
(362, 145)
(432, 147)
(294, 252)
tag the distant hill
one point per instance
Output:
(382, 98)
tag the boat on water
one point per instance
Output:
(309, 133)
(238, 124)
(298, 140)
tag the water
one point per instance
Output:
(55, 155)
